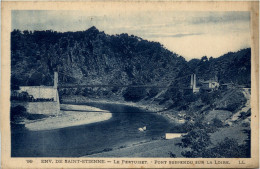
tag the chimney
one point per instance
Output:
(55, 80)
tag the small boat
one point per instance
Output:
(142, 128)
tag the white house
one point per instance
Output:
(209, 85)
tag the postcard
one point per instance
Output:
(130, 84)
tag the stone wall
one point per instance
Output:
(45, 92)
(43, 108)
(46, 107)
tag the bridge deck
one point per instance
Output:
(121, 86)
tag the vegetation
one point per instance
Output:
(19, 113)
(232, 67)
(87, 55)
(199, 143)
(134, 94)
(94, 57)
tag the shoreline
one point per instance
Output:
(70, 118)
(128, 148)
(171, 118)
(143, 149)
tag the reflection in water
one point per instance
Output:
(120, 130)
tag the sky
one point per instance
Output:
(189, 34)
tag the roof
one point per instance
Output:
(227, 84)
(37, 86)
(209, 81)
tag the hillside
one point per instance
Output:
(231, 67)
(93, 57)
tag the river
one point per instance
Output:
(118, 132)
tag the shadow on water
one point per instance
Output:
(121, 130)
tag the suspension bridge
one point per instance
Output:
(76, 85)
(210, 84)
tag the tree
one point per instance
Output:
(198, 140)
(35, 79)
(134, 94)
(217, 123)
(228, 148)
(17, 112)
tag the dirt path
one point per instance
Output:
(247, 95)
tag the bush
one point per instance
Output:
(244, 115)
(189, 96)
(233, 107)
(228, 148)
(217, 123)
(197, 140)
(210, 98)
(35, 79)
(17, 112)
(200, 141)
(134, 94)
(87, 92)
(79, 91)
(35, 116)
(107, 149)
(172, 155)
(115, 89)
(152, 92)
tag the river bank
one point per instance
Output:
(152, 148)
(70, 115)
(170, 116)
(144, 148)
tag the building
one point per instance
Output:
(209, 85)
(43, 92)
(204, 85)
(43, 99)
(226, 86)
(40, 92)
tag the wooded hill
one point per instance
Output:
(93, 57)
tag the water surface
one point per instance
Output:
(120, 131)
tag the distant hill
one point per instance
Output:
(93, 57)
(231, 67)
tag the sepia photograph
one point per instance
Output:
(131, 84)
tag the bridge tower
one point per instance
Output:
(193, 83)
(55, 85)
